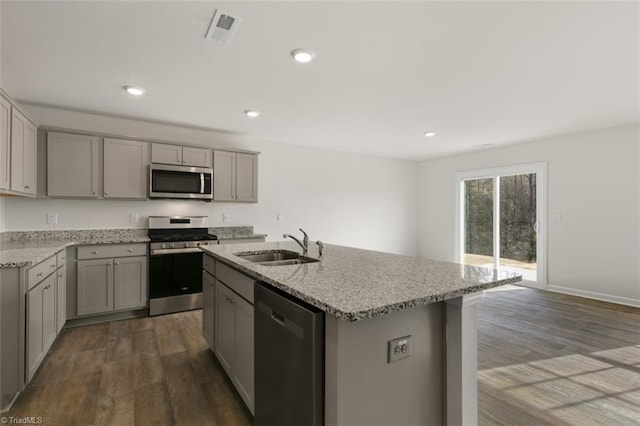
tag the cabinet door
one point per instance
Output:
(95, 286)
(224, 338)
(5, 147)
(130, 282)
(23, 153)
(40, 323)
(196, 157)
(34, 329)
(126, 169)
(72, 165)
(246, 177)
(208, 307)
(224, 176)
(166, 154)
(49, 299)
(243, 374)
(61, 298)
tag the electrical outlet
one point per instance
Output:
(556, 218)
(52, 218)
(280, 217)
(133, 217)
(399, 348)
(226, 217)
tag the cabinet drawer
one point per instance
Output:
(62, 258)
(208, 264)
(40, 272)
(237, 281)
(111, 250)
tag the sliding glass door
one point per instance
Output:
(499, 220)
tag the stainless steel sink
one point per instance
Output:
(275, 257)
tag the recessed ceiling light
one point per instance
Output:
(303, 55)
(252, 113)
(430, 134)
(136, 91)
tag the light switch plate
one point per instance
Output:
(399, 348)
(280, 217)
(226, 217)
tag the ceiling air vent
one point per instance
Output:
(222, 27)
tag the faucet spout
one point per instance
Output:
(305, 248)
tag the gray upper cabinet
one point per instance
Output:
(180, 155)
(235, 176)
(23, 154)
(72, 165)
(17, 150)
(5, 144)
(125, 168)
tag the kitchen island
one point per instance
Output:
(371, 298)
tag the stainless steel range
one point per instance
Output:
(175, 262)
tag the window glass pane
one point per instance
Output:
(478, 222)
(518, 242)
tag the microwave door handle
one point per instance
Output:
(202, 183)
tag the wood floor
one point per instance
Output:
(543, 359)
(551, 359)
(144, 371)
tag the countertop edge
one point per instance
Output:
(50, 251)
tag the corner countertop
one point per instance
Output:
(26, 248)
(355, 284)
(235, 233)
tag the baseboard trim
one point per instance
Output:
(100, 318)
(8, 407)
(596, 296)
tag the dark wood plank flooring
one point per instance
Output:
(543, 359)
(551, 359)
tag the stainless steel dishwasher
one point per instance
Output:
(289, 359)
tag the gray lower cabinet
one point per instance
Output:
(61, 291)
(40, 323)
(208, 307)
(234, 340)
(110, 279)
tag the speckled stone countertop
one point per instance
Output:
(235, 233)
(25, 248)
(355, 284)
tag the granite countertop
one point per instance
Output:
(26, 248)
(235, 233)
(355, 284)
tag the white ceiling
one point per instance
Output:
(385, 72)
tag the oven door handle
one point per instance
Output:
(202, 183)
(160, 252)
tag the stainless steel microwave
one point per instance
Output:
(180, 182)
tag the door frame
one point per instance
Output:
(540, 169)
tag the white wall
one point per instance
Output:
(336, 197)
(2, 214)
(593, 182)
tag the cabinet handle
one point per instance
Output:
(94, 192)
(94, 252)
(106, 193)
(59, 275)
(52, 266)
(117, 263)
(39, 274)
(26, 187)
(109, 264)
(130, 250)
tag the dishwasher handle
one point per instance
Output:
(277, 317)
(286, 323)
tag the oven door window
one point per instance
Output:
(174, 182)
(175, 274)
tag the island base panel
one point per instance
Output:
(362, 387)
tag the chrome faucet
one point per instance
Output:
(320, 248)
(304, 243)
